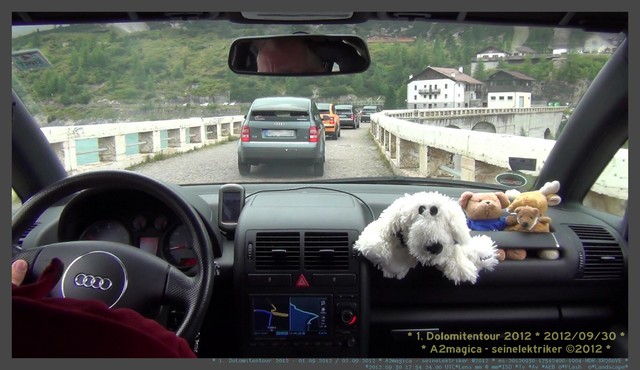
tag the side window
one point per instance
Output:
(610, 193)
(16, 202)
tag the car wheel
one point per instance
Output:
(140, 279)
(244, 168)
(318, 169)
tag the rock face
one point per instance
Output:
(560, 91)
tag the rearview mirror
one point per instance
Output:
(299, 55)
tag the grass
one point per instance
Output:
(381, 155)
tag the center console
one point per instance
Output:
(300, 288)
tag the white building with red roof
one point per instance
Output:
(437, 87)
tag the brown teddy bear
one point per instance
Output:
(538, 200)
(485, 212)
(528, 219)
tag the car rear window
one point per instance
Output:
(279, 115)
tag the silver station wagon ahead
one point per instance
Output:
(347, 115)
(280, 129)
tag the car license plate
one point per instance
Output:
(278, 133)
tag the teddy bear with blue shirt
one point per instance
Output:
(487, 212)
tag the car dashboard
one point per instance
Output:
(290, 283)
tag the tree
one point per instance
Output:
(178, 71)
(390, 99)
(113, 81)
(298, 87)
(35, 40)
(334, 90)
(439, 56)
(401, 97)
(80, 77)
(480, 72)
(527, 66)
(357, 83)
(140, 76)
(75, 60)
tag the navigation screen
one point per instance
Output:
(289, 316)
(231, 207)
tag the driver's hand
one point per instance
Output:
(18, 271)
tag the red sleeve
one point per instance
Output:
(72, 328)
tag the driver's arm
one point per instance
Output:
(52, 327)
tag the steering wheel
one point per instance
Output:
(119, 274)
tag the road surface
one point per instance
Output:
(354, 154)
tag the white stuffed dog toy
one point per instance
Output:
(430, 228)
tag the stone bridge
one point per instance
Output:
(422, 143)
(428, 149)
(542, 122)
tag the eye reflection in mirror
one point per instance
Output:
(299, 55)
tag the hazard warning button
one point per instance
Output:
(302, 282)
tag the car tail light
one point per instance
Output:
(244, 134)
(351, 115)
(313, 134)
(331, 120)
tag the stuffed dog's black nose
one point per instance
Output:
(434, 248)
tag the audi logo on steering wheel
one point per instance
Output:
(93, 282)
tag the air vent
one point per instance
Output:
(326, 251)
(602, 258)
(277, 251)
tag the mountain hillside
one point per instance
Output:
(172, 69)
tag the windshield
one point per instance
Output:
(324, 107)
(159, 98)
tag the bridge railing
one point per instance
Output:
(424, 150)
(432, 151)
(120, 145)
(462, 112)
